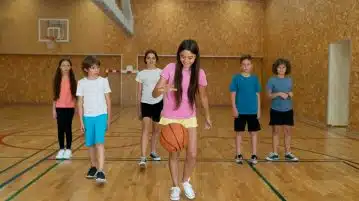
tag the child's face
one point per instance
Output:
(281, 69)
(93, 71)
(65, 67)
(246, 66)
(187, 58)
(151, 59)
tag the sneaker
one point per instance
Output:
(142, 162)
(253, 160)
(91, 173)
(272, 157)
(60, 154)
(175, 193)
(188, 190)
(67, 154)
(155, 156)
(239, 159)
(100, 177)
(290, 157)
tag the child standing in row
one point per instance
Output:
(245, 97)
(149, 107)
(63, 108)
(181, 82)
(279, 89)
(94, 109)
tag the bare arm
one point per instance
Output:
(139, 95)
(80, 111)
(54, 115)
(204, 100)
(233, 100)
(273, 95)
(160, 85)
(259, 104)
(108, 103)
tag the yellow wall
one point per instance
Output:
(302, 31)
(229, 28)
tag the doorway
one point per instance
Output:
(338, 83)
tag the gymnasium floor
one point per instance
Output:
(328, 170)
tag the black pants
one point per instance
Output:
(64, 126)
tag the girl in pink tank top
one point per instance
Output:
(63, 108)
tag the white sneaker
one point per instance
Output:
(60, 154)
(175, 193)
(67, 154)
(188, 190)
(142, 162)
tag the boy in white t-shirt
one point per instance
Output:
(149, 107)
(94, 109)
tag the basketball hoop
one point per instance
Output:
(51, 42)
(129, 69)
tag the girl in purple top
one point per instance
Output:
(180, 83)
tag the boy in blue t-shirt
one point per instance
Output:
(245, 89)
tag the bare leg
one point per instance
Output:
(238, 141)
(173, 164)
(254, 142)
(275, 138)
(144, 138)
(92, 154)
(191, 154)
(100, 149)
(155, 135)
(287, 138)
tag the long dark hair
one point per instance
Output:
(150, 51)
(192, 46)
(58, 78)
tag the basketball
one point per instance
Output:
(174, 137)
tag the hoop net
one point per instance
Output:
(51, 42)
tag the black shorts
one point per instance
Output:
(246, 119)
(281, 118)
(152, 111)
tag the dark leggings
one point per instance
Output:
(64, 125)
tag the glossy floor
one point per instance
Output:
(328, 170)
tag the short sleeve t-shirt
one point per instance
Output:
(93, 92)
(246, 89)
(285, 85)
(185, 110)
(149, 79)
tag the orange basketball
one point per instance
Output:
(174, 137)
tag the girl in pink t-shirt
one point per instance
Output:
(180, 83)
(63, 108)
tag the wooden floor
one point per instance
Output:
(329, 167)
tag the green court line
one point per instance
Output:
(39, 176)
(275, 191)
(2, 185)
(11, 197)
(31, 182)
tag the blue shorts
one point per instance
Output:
(95, 129)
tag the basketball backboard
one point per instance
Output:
(57, 29)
